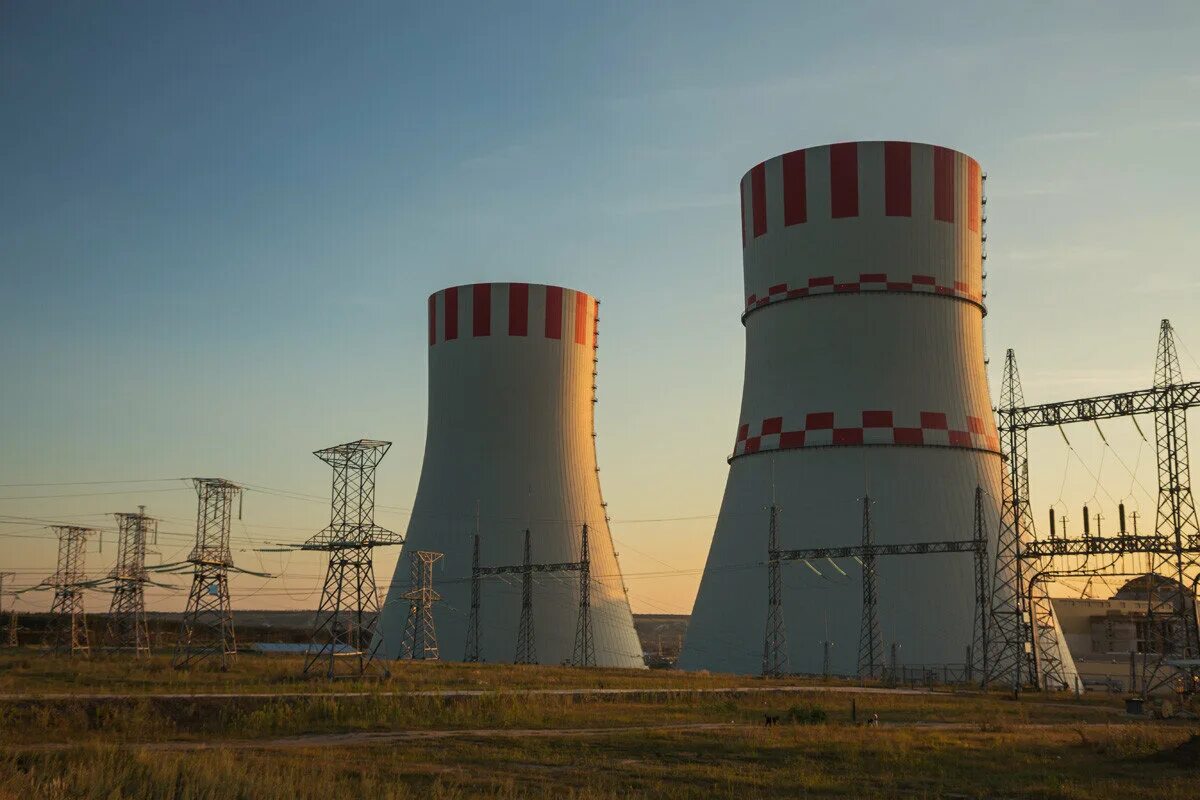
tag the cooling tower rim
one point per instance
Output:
(827, 145)
(468, 286)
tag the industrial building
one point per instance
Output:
(510, 448)
(864, 377)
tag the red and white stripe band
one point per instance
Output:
(822, 429)
(526, 310)
(866, 282)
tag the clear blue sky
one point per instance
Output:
(219, 223)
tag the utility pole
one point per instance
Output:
(526, 646)
(207, 628)
(979, 651)
(343, 635)
(472, 651)
(12, 623)
(420, 638)
(585, 648)
(775, 655)
(870, 638)
(127, 615)
(68, 626)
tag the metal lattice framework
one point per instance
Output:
(12, 622)
(68, 625)
(420, 636)
(865, 554)
(343, 637)
(1025, 641)
(207, 629)
(127, 614)
(584, 654)
(870, 636)
(775, 651)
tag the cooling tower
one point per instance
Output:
(510, 445)
(864, 375)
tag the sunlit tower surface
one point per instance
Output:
(207, 629)
(127, 614)
(68, 625)
(509, 447)
(865, 373)
(344, 637)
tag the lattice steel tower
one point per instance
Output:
(584, 654)
(775, 654)
(207, 628)
(68, 625)
(127, 614)
(420, 638)
(343, 636)
(1177, 519)
(870, 637)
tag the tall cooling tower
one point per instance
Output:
(864, 375)
(511, 442)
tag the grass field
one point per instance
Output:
(301, 741)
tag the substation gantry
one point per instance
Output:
(870, 645)
(584, 653)
(1025, 642)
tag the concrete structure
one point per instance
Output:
(510, 445)
(864, 374)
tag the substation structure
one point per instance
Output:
(420, 635)
(68, 626)
(343, 636)
(207, 629)
(870, 645)
(1024, 644)
(584, 653)
(127, 627)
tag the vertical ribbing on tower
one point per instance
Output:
(584, 654)
(68, 625)
(526, 647)
(420, 637)
(775, 655)
(870, 638)
(127, 614)
(207, 629)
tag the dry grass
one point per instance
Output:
(935, 745)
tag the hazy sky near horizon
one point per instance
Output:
(219, 223)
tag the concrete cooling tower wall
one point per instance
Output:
(509, 446)
(864, 375)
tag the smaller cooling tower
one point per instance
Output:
(510, 445)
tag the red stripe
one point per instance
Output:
(847, 435)
(943, 184)
(877, 419)
(974, 196)
(772, 425)
(843, 180)
(518, 309)
(795, 193)
(758, 198)
(897, 178)
(554, 303)
(908, 436)
(934, 420)
(481, 309)
(432, 320)
(451, 324)
(581, 306)
(822, 420)
(790, 439)
(742, 198)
